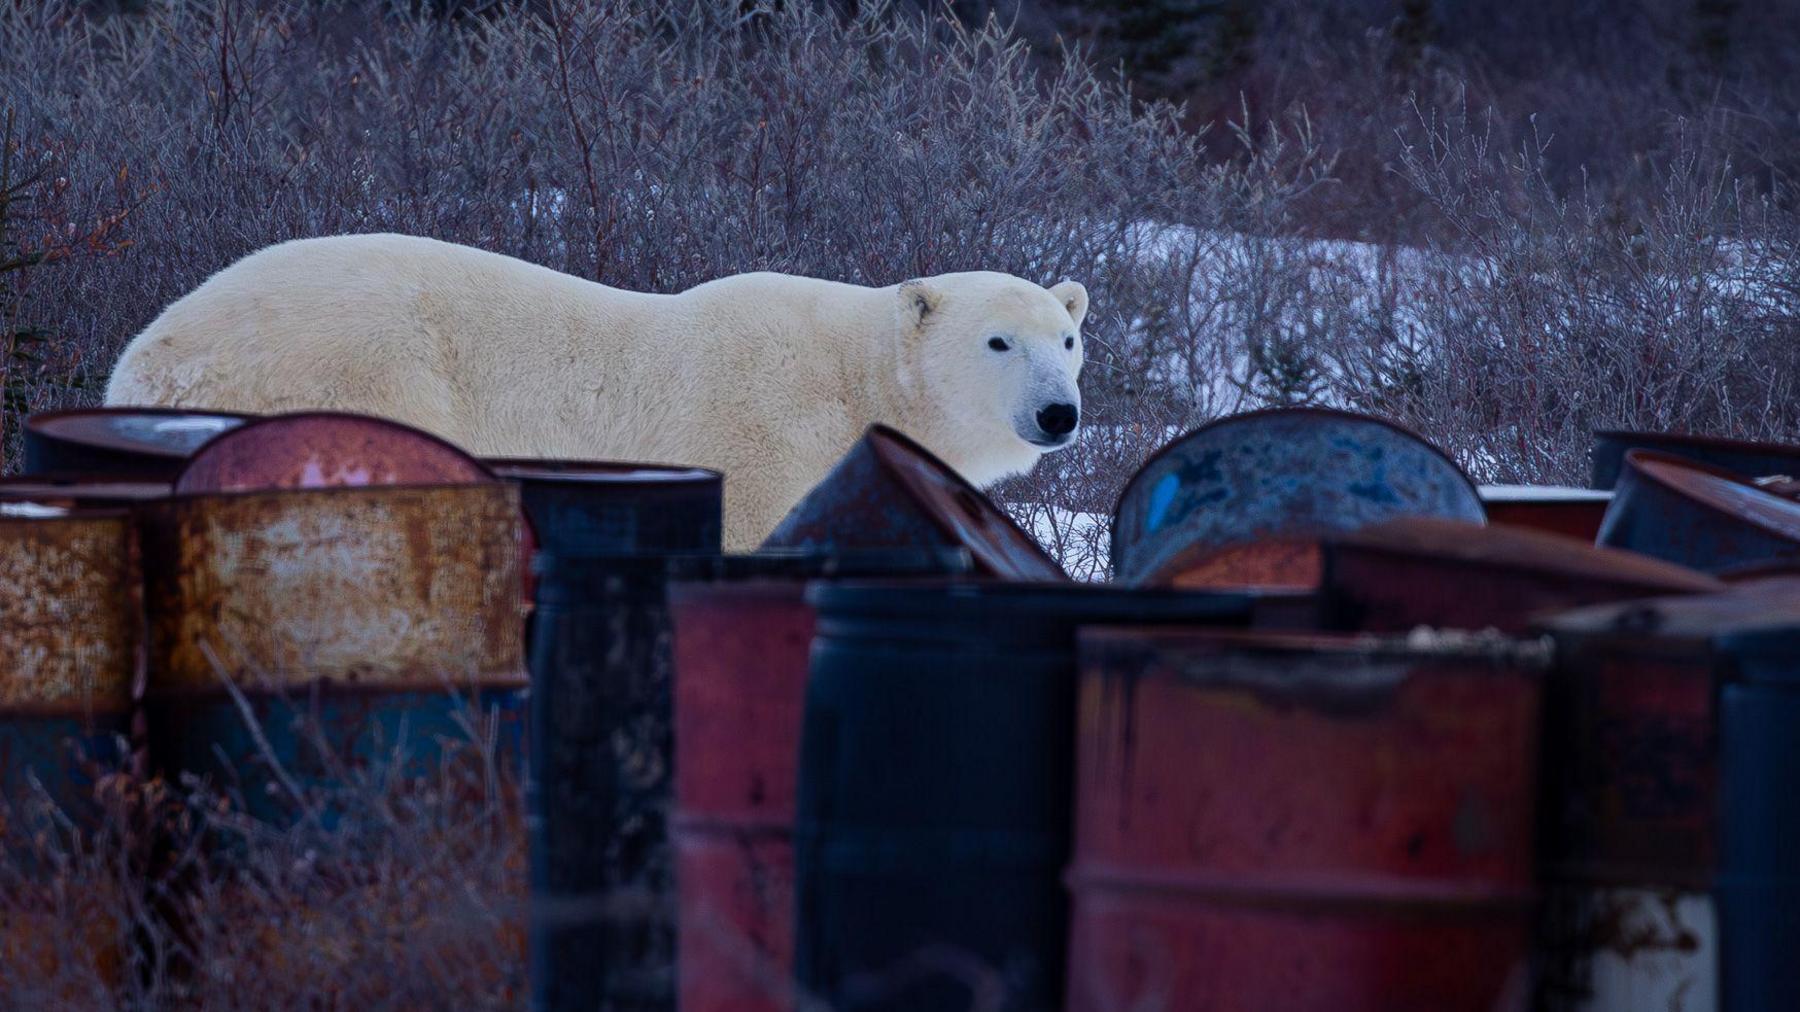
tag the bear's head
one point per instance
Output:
(989, 365)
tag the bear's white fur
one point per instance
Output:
(766, 377)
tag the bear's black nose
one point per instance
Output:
(1058, 419)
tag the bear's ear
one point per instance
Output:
(918, 300)
(1074, 298)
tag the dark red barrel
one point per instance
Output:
(1630, 803)
(1416, 571)
(742, 635)
(127, 444)
(1574, 512)
(1700, 516)
(932, 818)
(325, 449)
(890, 492)
(1243, 501)
(1282, 822)
(1746, 459)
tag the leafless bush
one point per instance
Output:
(166, 894)
(654, 145)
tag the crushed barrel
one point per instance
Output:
(1393, 576)
(933, 807)
(890, 492)
(1303, 822)
(126, 444)
(1243, 501)
(743, 633)
(1699, 516)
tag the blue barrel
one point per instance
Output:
(604, 508)
(1699, 516)
(1758, 886)
(1751, 460)
(934, 802)
(1259, 489)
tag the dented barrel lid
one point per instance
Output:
(1280, 475)
(122, 443)
(890, 492)
(322, 449)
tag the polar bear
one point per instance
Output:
(768, 378)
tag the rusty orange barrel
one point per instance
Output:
(69, 649)
(1574, 512)
(743, 633)
(128, 444)
(1244, 500)
(299, 633)
(1415, 571)
(1302, 822)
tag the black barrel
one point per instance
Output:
(1758, 887)
(591, 508)
(933, 813)
(126, 444)
(1699, 516)
(1751, 460)
(599, 784)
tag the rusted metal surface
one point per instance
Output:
(1699, 516)
(128, 444)
(1746, 459)
(1303, 822)
(325, 450)
(890, 492)
(1630, 848)
(743, 635)
(1574, 512)
(1393, 576)
(935, 781)
(69, 636)
(1243, 500)
(82, 492)
(403, 587)
(68, 613)
(603, 508)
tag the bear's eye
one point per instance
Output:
(1069, 343)
(998, 343)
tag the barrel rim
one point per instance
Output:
(174, 499)
(799, 565)
(600, 472)
(69, 515)
(91, 485)
(885, 441)
(1655, 474)
(1535, 552)
(45, 424)
(1046, 601)
(1313, 411)
(1533, 495)
(485, 475)
(1124, 642)
(1700, 440)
